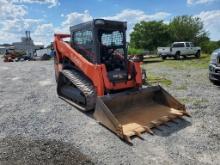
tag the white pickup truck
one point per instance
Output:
(42, 54)
(179, 49)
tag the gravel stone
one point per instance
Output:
(36, 127)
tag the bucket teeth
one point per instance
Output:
(128, 139)
(166, 124)
(148, 130)
(171, 117)
(173, 121)
(155, 123)
(138, 134)
(164, 119)
(186, 114)
(178, 113)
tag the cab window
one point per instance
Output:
(187, 44)
(191, 44)
(83, 43)
(178, 45)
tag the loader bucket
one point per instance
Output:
(129, 114)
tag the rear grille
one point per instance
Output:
(216, 77)
(217, 71)
(218, 61)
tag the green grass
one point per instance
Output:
(190, 62)
(133, 51)
(198, 102)
(156, 63)
(182, 87)
(194, 101)
(158, 79)
(184, 100)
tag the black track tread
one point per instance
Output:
(84, 85)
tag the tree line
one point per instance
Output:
(152, 34)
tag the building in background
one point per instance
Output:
(27, 45)
(5, 47)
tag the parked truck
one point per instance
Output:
(179, 49)
(42, 54)
(214, 67)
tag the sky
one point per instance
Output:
(46, 17)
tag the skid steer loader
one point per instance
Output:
(93, 73)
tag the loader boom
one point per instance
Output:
(91, 70)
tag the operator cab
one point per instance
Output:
(103, 42)
(111, 49)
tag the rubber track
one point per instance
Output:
(84, 85)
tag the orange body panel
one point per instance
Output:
(97, 73)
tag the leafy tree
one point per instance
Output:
(150, 35)
(209, 46)
(187, 28)
(133, 51)
(50, 46)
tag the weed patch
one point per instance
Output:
(153, 79)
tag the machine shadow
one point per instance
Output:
(171, 127)
(162, 130)
(26, 150)
(217, 84)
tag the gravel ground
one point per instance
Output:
(36, 127)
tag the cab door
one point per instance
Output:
(182, 48)
(192, 48)
(188, 49)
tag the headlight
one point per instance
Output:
(214, 58)
(211, 68)
(213, 61)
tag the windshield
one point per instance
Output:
(112, 49)
(177, 45)
(112, 38)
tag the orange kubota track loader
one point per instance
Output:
(93, 72)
